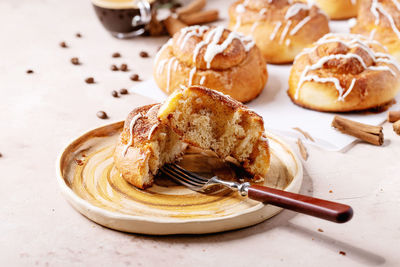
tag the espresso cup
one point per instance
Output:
(124, 18)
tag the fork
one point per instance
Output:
(324, 209)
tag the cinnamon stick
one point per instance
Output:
(194, 6)
(394, 115)
(302, 149)
(200, 17)
(396, 127)
(173, 25)
(368, 133)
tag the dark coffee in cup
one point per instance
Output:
(124, 18)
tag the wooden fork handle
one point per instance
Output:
(328, 210)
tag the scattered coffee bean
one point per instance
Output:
(320, 230)
(89, 80)
(29, 71)
(135, 77)
(116, 54)
(123, 91)
(63, 45)
(144, 54)
(114, 67)
(101, 115)
(123, 67)
(78, 35)
(114, 93)
(330, 191)
(75, 61)
(1, 155)
(342, 253)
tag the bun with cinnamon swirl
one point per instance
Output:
(344, 72)
(380, 20)
(144, 146)
(214, 57)
(280, 28)
(338, 9)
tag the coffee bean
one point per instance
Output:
(123, 91)
(144, 54)
(123, 67)
(114, 93)
(63, 45)
(135, 77)
(101, 115)
(29, 71)
(1, 155)
(89, 80)
(75, 61)
(116, 54)
(78, 35)
(114, 67)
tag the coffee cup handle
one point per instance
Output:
(138, 20)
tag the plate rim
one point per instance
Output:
(75, 200)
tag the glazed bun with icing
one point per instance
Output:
(380, 20)
(338, 9)
(280, 28)
(213, 57)
(144, 146)
(344, 72)
(212, 121)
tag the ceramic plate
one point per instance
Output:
(90, 182)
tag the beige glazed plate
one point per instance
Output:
(90, 182)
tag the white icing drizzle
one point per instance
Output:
(255, 24)
(151, 131)
(176, 65)
(300, 25)
(377, 7)
(238, 23)
(294, 9)
(214, 37)
(188, 32)
(353, 2)
(351, 42)
(162, 49)
(202, 80)
(320, 63)
(152, 108)
(161, 65)
(278, 25)
(287, 42)
(372, 34)
(131, 125)
(382, 68)
(285, 31)
(169, 73)
(192, 72)
(240, 8)
(348, 91)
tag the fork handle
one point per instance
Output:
(328, 210)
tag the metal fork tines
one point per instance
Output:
(189, 179)
(199, 183)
